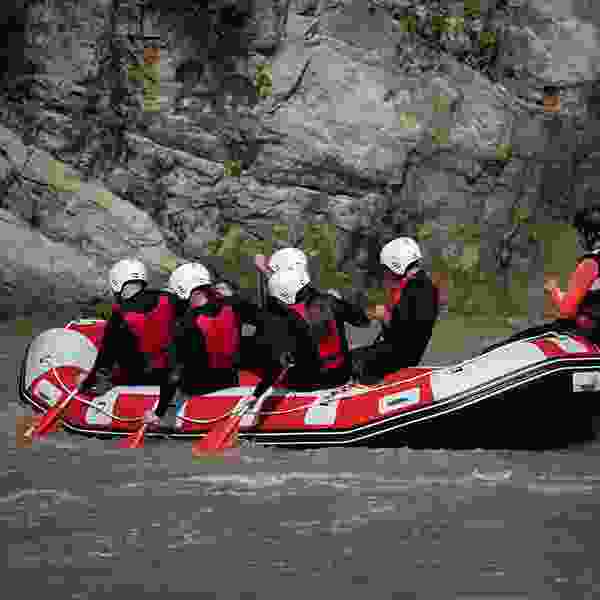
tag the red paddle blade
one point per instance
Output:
(134, 440)
(26, 425)
(53, 428)
(48, 422)
(219, 437)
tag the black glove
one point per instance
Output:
(175, 376)
(147, 367)
(357, 367)
(287, 360)
(359, 358)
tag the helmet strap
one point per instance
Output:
(413, 268)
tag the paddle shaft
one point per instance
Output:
(221, 435)
(261, 289)
(259, 401)
(135, 439)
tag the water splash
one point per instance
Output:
(58, 496)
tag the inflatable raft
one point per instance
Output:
(537, 391)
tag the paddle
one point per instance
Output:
(30, 422)
(48, 421)
(222, 435)
(135, 439)
(261, 288)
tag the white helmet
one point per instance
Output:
(399, 254)
(284, 285)
(126, 270)
(288, 258)
(186, 278)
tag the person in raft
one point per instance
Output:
(579, 306)
(407, 320)
(137, 334)
(293, 258)
(308, 327)
(206, 344)
(353, 305)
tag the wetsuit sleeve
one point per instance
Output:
(107, 354)
(175, 331)
(271, 372)
(191, 348)
(580, 282)
(174, 352)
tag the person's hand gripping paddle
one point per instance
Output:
(136, 439)
(223, 435)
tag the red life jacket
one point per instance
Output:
(153, 330)
(222, 335)
(588, 313)
(330, 346)
(395, 296)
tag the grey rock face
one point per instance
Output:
(346, 138)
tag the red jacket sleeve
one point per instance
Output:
(580, 282)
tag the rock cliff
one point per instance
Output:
(376, 124)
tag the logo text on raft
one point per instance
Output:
(399, 400)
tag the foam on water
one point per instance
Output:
(56, 496)
(561, 488)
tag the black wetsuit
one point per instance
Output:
(405, 338)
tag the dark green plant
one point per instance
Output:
(320, 239)
(264, 81)
(472, 8)
(487, 39)
(233, 168)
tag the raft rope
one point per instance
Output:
(346, 392)
(111, 414)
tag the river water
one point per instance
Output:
(82, 519)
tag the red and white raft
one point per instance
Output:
(538, 391)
